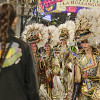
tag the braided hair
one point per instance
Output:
(7, 16)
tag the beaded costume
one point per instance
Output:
(88, 85)
(87, 26)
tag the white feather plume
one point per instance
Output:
(90, 18)
(70, 25)
(94, 40)
(37, 29)
(53, 31)
(44, 37)
(44, 93)
(59, 90)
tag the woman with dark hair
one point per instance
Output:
(87, 65)
(18, 80)
(87, 73)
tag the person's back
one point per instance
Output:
(18, 80)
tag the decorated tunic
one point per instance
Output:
(91, 67)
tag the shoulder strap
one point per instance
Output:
(4, 57)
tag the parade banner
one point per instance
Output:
(66, 5)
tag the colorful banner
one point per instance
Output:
(66, 5)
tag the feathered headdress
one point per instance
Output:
(43, 93)
(53, 35)
(63, 32)
(35, 33)
(66, 31)
(70, 25)
(88, 26)
(58, 90)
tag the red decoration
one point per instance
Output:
(71, 9)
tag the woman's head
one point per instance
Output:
(85, 44)
(47, 47)
(87, 47)
(7, 13)
(7, 18)
(63, 42)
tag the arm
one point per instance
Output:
(31, 83)
(77, 81)
(98, 71)
(77, 74)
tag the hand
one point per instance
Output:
(85, 75)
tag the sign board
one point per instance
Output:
(66, 5)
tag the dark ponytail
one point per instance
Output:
(7, 16)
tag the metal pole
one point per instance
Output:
(22, 15)
(26, 18)
(37, 11)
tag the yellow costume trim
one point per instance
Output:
(85, 90)
(96, 93)
(94, 64)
